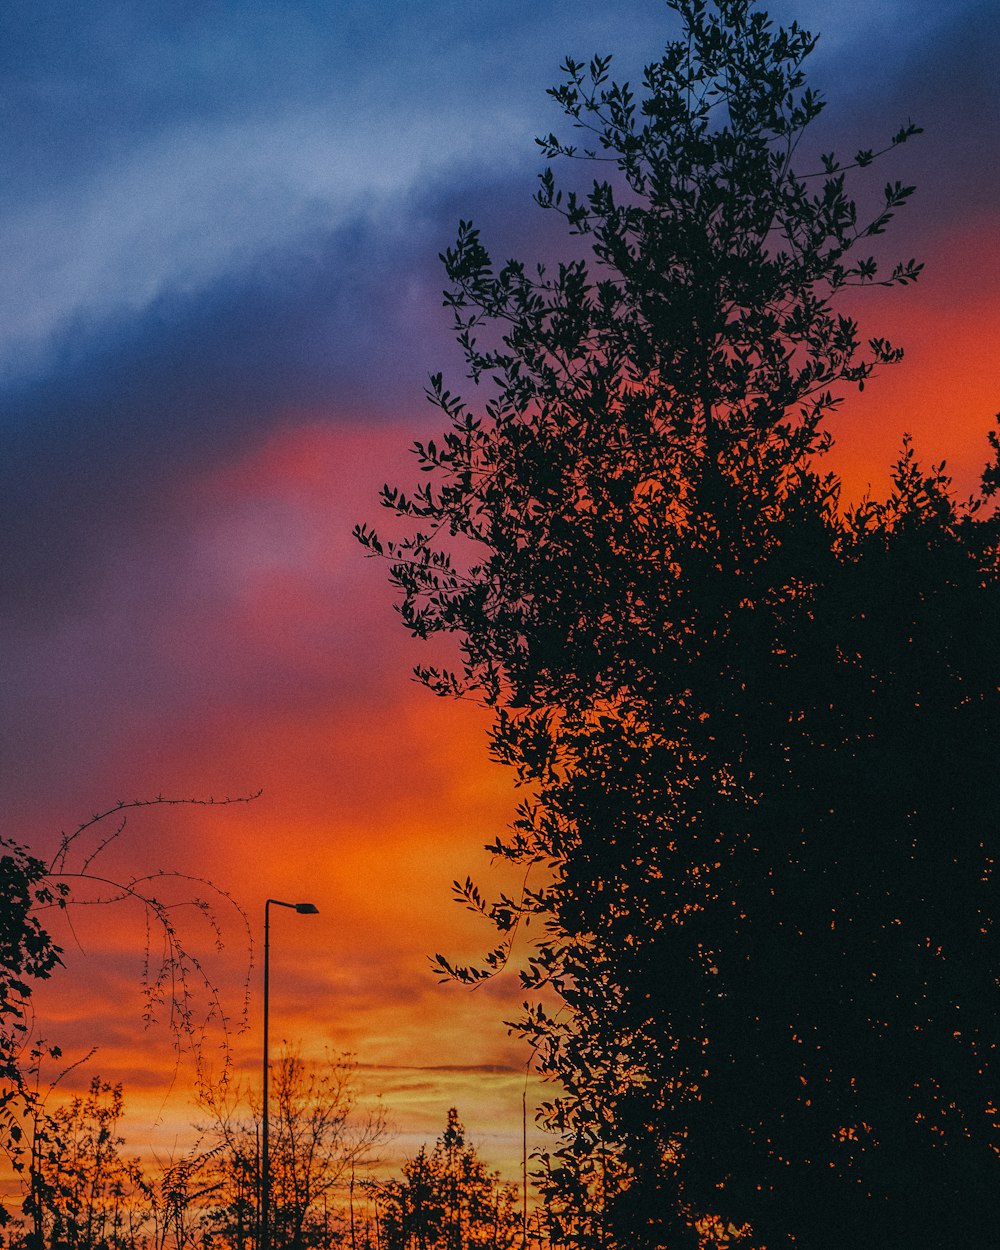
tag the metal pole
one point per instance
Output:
(265, 1161)
(303, 909)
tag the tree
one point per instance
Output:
(85, 1195)
(175, 978)
(318, 1138)
(447, 1199)
(27, 954)
(753, 724)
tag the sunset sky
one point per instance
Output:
(220, 301)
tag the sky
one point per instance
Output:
(220, 300)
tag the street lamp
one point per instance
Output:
(304, 909)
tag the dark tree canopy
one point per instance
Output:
(446, 1199)
(27, 951)
(756, 726)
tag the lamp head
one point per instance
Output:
(307, 909)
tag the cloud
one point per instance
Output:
(342, 328)
(951, 85)
(192, 382)
(199, 207)
(244, 134)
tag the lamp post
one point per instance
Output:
(304, 909)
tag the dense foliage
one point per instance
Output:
(27, 954)
(446, 1199)
(756, 726)
(27, 951)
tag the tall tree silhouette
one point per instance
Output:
(447, 1199)
(755, 727)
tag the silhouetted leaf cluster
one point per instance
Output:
(27, 951)
(446, 1199)
(756, 728)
